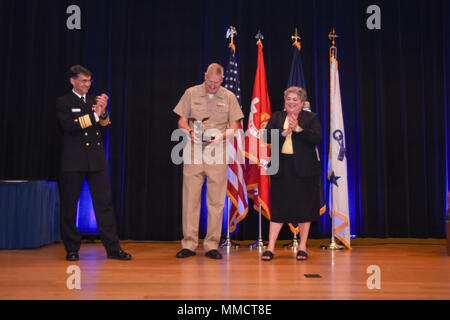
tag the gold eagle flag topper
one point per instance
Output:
(296, 39)
(333, 50)
(231, 32)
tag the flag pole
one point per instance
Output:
(259, 243)
(332, 245)
(228, 243)
(294, 242)
(231, 32)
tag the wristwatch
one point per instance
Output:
(104, 116)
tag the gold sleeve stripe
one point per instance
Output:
(88, 120)
(85, 121)
(82, 122)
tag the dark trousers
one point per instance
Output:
(70, 188)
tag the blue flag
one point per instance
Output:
(297, 78)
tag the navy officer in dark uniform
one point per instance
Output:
(83, 117)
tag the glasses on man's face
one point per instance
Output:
(213, 83)
(85, 81)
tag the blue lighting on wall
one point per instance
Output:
(86, 221)
(446, 100)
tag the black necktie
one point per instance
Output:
(82, 100)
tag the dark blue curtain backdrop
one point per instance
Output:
(395, 85)
(446, 40)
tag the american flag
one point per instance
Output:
(236, 188)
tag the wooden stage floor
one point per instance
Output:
(408, 269)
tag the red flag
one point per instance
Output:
(256, 151)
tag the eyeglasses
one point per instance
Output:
(85, 81)
(211, 83)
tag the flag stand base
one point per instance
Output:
(228, 244)
(332, 246)
(293, 243)
(258, 244)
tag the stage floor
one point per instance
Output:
(408, 269)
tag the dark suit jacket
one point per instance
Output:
(304, 143)
(83, 147)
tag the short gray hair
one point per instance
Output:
(300, 92)
(74, 71)
(215, 68)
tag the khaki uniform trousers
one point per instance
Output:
(216, 182)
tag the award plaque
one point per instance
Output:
(197, 126)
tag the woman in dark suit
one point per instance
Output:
(295, 193)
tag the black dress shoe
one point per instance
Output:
(213, 254)
(72, 256)
(184, 253)
(121, 255)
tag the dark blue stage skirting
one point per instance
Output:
(29, 214)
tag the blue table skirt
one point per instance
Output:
(29, 214)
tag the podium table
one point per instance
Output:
(29, 214)
(448, 235)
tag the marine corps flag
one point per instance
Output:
(337, 162)
(256, 151)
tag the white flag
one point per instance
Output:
(337, 162)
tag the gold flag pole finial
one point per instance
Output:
(296, 39)
(231, 32)
(260, 37)
(333, 50)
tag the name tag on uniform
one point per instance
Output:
(76, 110)
(221, 105)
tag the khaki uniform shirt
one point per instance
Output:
(222, 109)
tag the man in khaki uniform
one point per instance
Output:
(219, 110)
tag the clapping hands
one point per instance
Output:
(100, 106)
(292, 122)
(292, 125)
